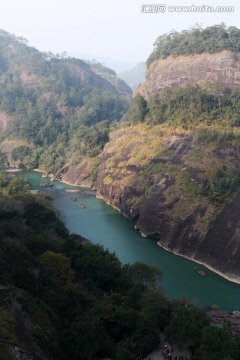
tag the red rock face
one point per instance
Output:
(205, 69)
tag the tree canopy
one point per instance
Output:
(196, 41)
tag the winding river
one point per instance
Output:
(100, 223)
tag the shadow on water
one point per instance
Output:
(101, 224)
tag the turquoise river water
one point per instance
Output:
(106, 226)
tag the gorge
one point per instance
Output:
(103, 225)
(169, 161)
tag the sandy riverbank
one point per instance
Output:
(43, 172)
(13, 170)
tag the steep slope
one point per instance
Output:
(174, 165)
(205, 69)
(157, 177)
(206, 57)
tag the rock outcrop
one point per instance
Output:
(231, 319)
(79, 175)
(159, 190)
(203, 69)
(154, 176)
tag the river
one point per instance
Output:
(106, 226)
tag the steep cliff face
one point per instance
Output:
(203, 69)
(154, 177)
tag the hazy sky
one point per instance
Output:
(109, 28)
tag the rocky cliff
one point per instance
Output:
(154, 177)
(179, 178)
(205, 69)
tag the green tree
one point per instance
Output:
(56, 269)
(156, 111)
(186, 324)
(142, 274)
(137, 110)
(216, 343)
(17, 185)
(97, 265)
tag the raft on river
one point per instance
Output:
(46, 184)
(200, 272)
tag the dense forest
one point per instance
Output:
(188, 107)
(196, 41)
(63, 298)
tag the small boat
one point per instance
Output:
(46, 184)
(73, 198)
(200, 272)
(82, 206)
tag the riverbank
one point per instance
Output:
(108, 203)
(52, 176)
(40, 171)
(226, 277)
(13, 170)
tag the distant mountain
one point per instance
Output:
(135, 76)
(109, 75)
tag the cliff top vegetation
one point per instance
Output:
(196, 41)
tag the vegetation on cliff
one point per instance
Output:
(196, 41)
(61, 299)
(188, 107)
(209, 122)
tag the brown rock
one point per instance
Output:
(203, 69)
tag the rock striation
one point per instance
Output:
(205, 69)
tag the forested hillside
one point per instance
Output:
(52, 106)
